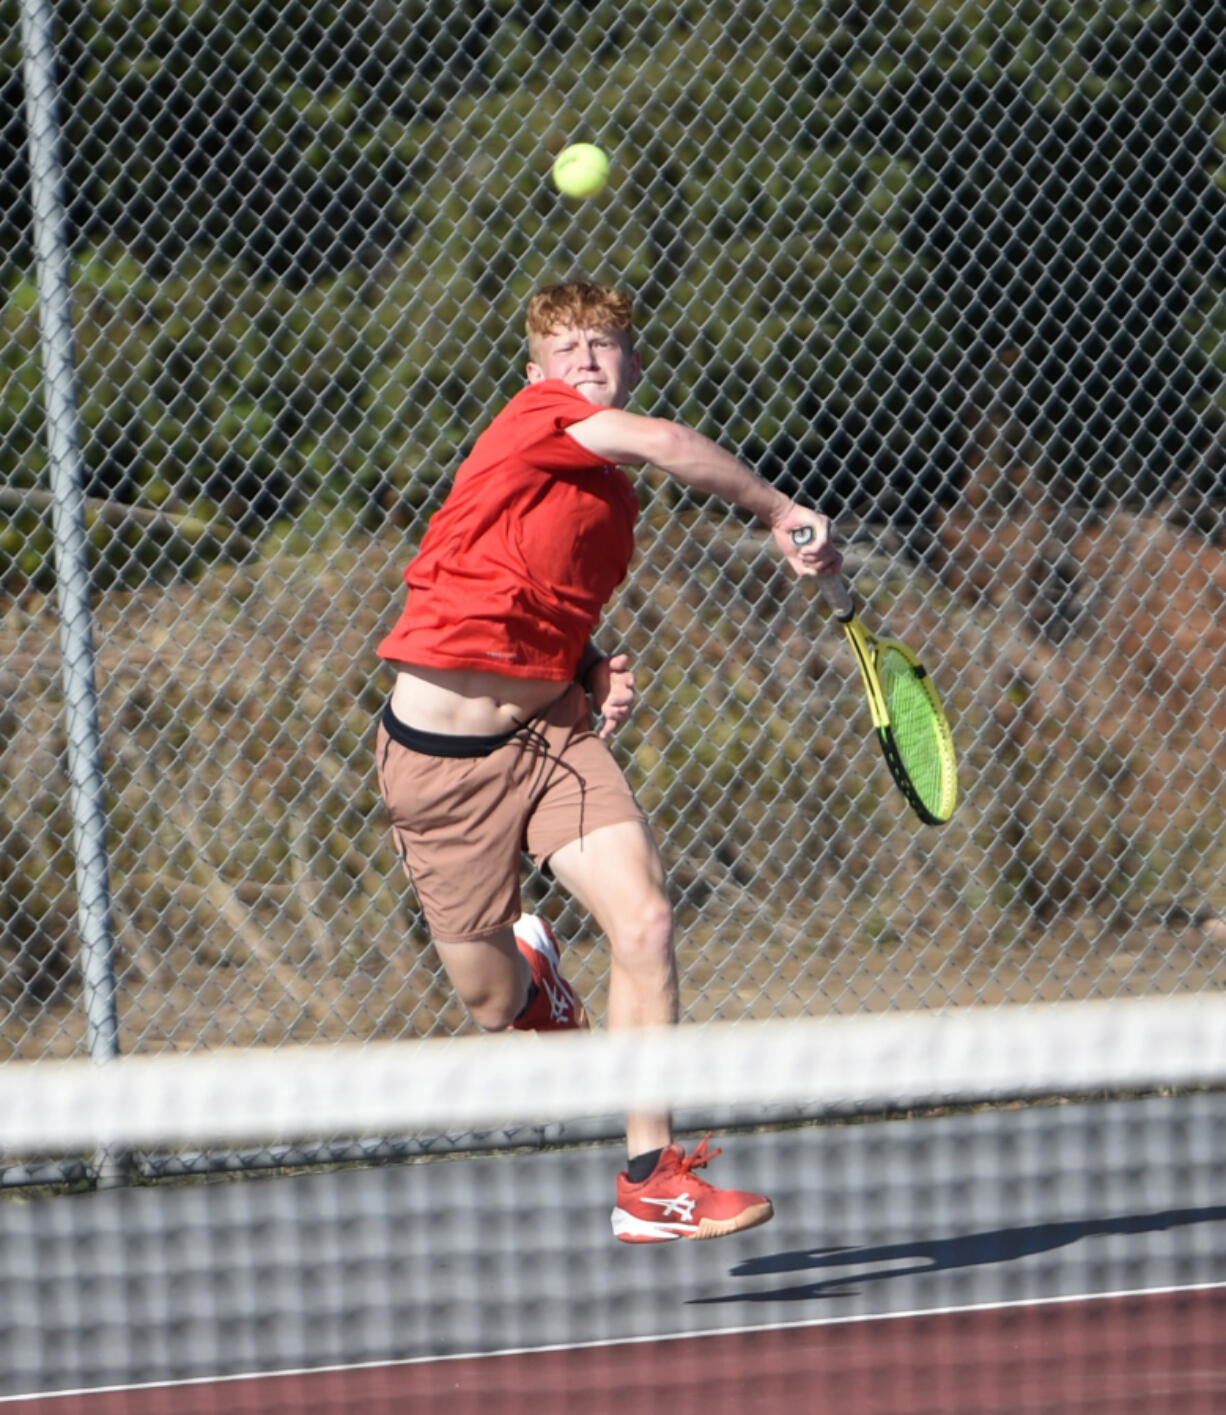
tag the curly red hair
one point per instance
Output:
(579, 304)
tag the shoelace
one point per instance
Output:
(701, 1156)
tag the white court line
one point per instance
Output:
(848, 1320)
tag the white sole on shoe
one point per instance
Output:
(538, 938)
(640, 1230)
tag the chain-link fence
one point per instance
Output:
(952, 271)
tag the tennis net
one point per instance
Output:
(1019, 1209)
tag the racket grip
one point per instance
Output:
(834, 591)
(837, 596)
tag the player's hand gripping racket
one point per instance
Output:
(906, 711)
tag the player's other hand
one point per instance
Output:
(818, 555)
(612, 688)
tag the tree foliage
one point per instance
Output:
(303, 234)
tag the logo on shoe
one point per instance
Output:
(561, 999)
(682, 1206)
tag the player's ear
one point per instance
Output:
(536, 373)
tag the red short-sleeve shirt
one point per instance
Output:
(518, 563)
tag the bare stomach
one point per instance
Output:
(468, 702)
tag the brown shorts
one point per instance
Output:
(462, 820)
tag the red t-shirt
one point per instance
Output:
(518, 563)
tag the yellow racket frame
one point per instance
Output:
(868, 650)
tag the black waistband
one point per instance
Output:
(443, 744)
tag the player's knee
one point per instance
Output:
(643, 941)
(493, 1009)
(494, 1015)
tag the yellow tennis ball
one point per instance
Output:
(580, 170)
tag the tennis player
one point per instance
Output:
(488, 745)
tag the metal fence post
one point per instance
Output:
(71, 547)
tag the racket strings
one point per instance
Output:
(919, 732)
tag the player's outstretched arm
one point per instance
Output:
(694, 460)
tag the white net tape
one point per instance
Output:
(887, 1062)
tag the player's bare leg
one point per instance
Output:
(489, 975)
(616, 873)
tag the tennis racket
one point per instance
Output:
(907, 714)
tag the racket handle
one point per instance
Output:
(838, 597)
(834, 591)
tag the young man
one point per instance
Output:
(486, 747)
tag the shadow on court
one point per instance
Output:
(922, 1257)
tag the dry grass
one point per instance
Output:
(256, 900)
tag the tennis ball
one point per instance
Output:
(580, 170)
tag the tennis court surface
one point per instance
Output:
(1026, 1255)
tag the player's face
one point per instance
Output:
(599, 363)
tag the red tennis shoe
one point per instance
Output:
(672, 1202)
(555, 1008)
